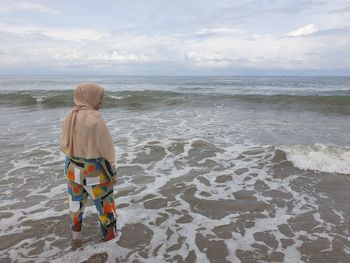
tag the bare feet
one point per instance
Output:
(76, 235)
(111, 234)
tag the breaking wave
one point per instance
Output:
(326, 158)
(159, 98)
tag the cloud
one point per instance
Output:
(305, 30)
(342, 9)
(118, 56)
(18, 30)
(215, 52)
(26, 7)
(217, 30)
(267, 51)
(209, 37)
(72, 34)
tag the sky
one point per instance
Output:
(177, 37)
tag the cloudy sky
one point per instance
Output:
(175, 37)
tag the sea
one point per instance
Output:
(210, 169)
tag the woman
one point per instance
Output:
(90, 157)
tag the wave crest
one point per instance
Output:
(326, 158)
(160, 98)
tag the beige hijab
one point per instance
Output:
(84, 132)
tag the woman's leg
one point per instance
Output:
(103, 197)
(77, 197)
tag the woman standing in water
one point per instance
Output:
(90, 157)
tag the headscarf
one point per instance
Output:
(84, 132)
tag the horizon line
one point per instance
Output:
(153, 75)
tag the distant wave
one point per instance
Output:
(319, 157)
(157, 98)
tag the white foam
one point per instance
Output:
(320, 157)
(134, 137)
(119, 97)
(40, 98)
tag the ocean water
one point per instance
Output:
(211, 169)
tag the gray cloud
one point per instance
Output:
(178, 38)
(342, 10)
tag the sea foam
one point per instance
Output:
(327, 158)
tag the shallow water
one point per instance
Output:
(229, 182)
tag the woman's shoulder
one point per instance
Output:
(95, 114)
(94, 118)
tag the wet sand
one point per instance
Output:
(266, 210)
